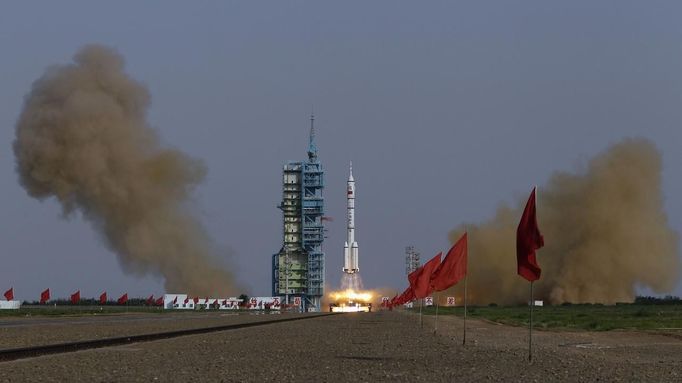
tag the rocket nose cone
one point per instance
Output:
(350, 175)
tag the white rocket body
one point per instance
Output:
(350, 248)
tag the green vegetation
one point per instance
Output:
(579, 317)
(78, 310)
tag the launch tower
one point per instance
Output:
(298, 268)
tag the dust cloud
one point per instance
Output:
(83, 138)
(606, 234)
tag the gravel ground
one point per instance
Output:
(384, 346)
(34, 331)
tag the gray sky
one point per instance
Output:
(446, 111)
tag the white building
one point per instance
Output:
(10, 305)
(185, 302)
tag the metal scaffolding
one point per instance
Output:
(298, 268)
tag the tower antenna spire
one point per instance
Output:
(312, 148)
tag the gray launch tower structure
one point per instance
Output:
(298, 268)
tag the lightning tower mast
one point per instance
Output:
(411, 259)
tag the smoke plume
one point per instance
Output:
(351, 282)
(605, 230)
(82, 137)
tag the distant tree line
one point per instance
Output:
(667, 300)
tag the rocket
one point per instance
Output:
(350, 248)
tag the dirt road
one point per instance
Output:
(384, 346)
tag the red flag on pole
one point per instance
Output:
(196, 300)
(103, 298)
(9, 294)
(420, 279)
(159, 302)
(528, 239)
(453, 268)
(150, 300)
(175, 300)
(45, 296)
(123, 299)
(75, 297)
(186, 300)
(405, 297)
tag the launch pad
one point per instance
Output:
(350, 308)
(351, 300)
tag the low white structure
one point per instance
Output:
(10, 305)
(185, 302)
(264, 303)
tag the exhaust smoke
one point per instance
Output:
(82, 137)
(606, 234)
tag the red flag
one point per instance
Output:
(405, 296)
(224, 302)
(196, 300)
(103, 298)
(123, 299)
(453, 268)
(215, 303)
(528, 239)
(159, 302)
(75, 297)
(420, 279)
(9, 294)
(45, 296)
(175, 300)
(150, 300)
(186, 300)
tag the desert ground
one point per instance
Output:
(380, 346)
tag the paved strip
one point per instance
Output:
(29, 352)
(37, 331)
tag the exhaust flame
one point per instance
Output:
(351, 296)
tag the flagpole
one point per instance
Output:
(530, 326)
(466, 276)
(435, 328)
(421, 321)
(532, 303)
(464, 337)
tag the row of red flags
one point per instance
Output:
(435, 275)
(76, 297)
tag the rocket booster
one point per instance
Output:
(350, 248)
